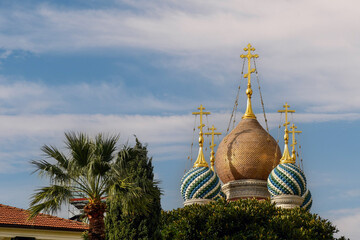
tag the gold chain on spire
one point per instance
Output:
(286, 155)
(200, 161)
(249, 112)
(212, 146)
(293, 154)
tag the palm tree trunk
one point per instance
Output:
(95, 210)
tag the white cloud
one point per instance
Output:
(308, 50)
(309, 57)
(166, 135)
(20, 96)
(169, 137)
(24, 97)
(347, 221)
(189, 26)
(146, 127)
(353, 193)
(5, 54)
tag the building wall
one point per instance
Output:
(8, 233)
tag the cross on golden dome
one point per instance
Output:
(213, 145)
(200, 161)
(249, 112)
(286, 155)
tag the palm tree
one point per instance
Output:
(90, 169)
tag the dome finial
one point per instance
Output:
(249, 112)
(293, 155)
(286, 155)
(200, 161)
(212, 157)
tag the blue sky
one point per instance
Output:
(140, 67)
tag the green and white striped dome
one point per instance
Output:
(286, 179)
(307, 200)
(200, 183)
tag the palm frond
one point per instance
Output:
(106, 146)
(81, 185)
(49, 199)
(81, 148)
(54, 153)
(54, 172)
(98, 167)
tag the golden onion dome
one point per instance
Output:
(247, 152)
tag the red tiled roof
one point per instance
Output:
(17, 217)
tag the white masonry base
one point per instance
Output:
(287, 201)
(196, 201)
(246, 188)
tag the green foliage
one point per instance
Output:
(138, 224)
(85, 235)
(243, 219)
(89, 169)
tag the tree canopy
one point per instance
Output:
(88, 169)
(138, 225)
(244, 219)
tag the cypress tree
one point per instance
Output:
(137, 224)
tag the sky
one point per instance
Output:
(142, 67)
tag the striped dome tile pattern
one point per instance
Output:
(286, 179)
(307, 200)
(200, 182)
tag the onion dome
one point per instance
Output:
(221, 195)
(200, 182)
(287, 179)
(248, 151)
(307, 200)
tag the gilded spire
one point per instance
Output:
(293, 154)
(200, 161)
(212, 146)
(249, 112)
(286, 155)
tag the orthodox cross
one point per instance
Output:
(293, 155)
(200, 161)
(249, 112)
(201, 113)
(286, 111)
(286, 155)
(212, 146)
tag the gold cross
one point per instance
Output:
(200, 161)
(293, 155)
(286, 155)
(201, 113)
(249, 112)
(213, 145)
(286, 111)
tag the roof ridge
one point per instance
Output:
(42, 215)
(12, 207)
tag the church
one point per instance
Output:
(248, 161)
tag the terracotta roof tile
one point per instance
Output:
(17, 217)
